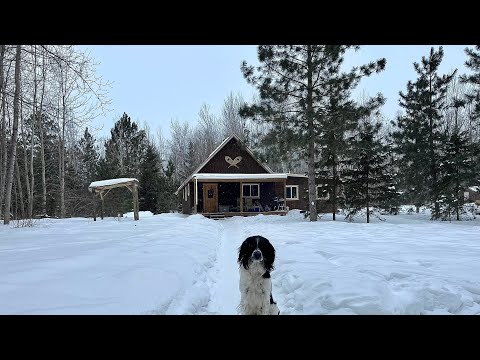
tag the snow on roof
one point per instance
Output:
(475, 188)
(220, 176)
(110, 182)
(297, 175)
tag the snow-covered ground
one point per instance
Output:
(177, 264)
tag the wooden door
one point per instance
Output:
(210, 198)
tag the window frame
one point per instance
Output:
(292, 186)
(250, 185)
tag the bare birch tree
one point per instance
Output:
(13, 142)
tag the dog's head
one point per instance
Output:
(256, 249)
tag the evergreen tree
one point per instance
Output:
(390, 199)
(296, 85)
(89, 157)
(167, 200)
(124, 152)
(126, 147)
(149, 190)
(425, 102)
(473, 63)
(457, 173)
(366, 178)
(411, 145)
(190, 164)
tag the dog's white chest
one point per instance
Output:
(255, 293)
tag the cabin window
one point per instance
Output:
(210, 193)
(292, 192)
(251, 191)
(466, 195)
(322, 193)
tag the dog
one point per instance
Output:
(256, 256)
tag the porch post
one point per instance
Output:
(195, 200)
(285, 194)
(241, 196)
(135, 201)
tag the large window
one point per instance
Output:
(292, 192)
(322, 193)
(251, 191)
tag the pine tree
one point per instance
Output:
(390, 199)
(126, 147)
(473, 63)
(296, 85)
(167, 200)
(457, 172)
(421, 134)
(89, 157)
(149, 190)
(190, 164)
(366, 178)
(411, 145)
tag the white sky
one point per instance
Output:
(157, 83)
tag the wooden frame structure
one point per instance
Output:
(103, 187)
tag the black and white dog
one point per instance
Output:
(255, 257)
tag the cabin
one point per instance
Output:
(472, 194)
(232, 182)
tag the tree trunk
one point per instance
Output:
(13, 144)
(457, 195)
(312, 193)
(32, 142)
(42, 146)
(334, 195)
(25, 156)
(433, 168)
(368, 202)
(20, 192)
(3, 139)
(44, 183)
(62, 162)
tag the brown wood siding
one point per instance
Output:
(473, 195)
(302, 202)
(187, 205)
(218, 164)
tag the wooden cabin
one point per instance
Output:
(232, 182)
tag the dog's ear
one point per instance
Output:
(268, 255)
(243, 256)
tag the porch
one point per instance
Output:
(217, 216)
(226, 195)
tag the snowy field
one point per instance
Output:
(177, 264)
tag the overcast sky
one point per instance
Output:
(158, 83)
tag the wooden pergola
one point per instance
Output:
(103, 187)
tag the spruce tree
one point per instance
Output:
(366, 177)
(457, 173)
(89, 157)
(296, 84)
(149, 190)
(167, 200)
(411, 145)
(126, 147)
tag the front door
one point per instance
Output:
(210, 198)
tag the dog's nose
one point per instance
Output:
(257, 254)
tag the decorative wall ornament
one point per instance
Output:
(233, 162)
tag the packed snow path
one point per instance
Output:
(177, 264)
